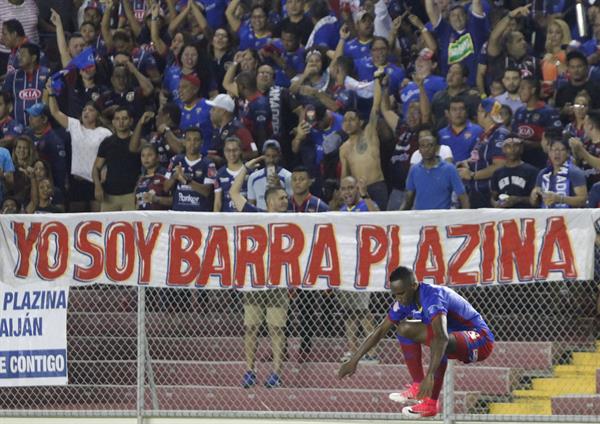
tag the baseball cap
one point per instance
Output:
(271, 144)
(193, 78)
(37, 109)
(361, 14)
(492, 107)
(513, 139)
(222, 101)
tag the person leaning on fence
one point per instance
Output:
(449, 325)
(271, 304)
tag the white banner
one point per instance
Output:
(329, 250)
(33, 336)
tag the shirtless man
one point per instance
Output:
(360, 155)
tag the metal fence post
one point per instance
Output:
(141, 352)
(448, 413)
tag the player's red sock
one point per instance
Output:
(438, 379)
(412, 357)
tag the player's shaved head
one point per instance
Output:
(402, 274)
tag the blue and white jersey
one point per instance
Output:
(365, 70)
(249, 40)
(225, 177)
(26, 90)
(461, 143)
(171, 81)
(357, 50)
(257, 185)
(201, 171)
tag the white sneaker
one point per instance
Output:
(346, 356)
(408, 395)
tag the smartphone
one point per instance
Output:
(270, 170)
(310, 114)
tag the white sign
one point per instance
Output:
(349, 251)
(33, 336)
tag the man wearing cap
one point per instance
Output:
(486, 156)
(360, 47)
(195, 111)
(424, 66)
(272, 175)
(461, 36)
(27, 83)
(512, 184)
(226, 125)
(49, 145)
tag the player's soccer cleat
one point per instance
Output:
(410, 394)
(249, 379)
(426, 408)
(370, 359)
(273, 381)
(346, 357)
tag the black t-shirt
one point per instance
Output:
(517, 181)
(568, 92)
(302, 28)
(122, 167)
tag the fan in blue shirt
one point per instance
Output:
(433, 83)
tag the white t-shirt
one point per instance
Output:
(84, 147)
(257, 185)
(445, 153)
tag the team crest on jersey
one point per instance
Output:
(30, 94)
(130, 96)
(95, 96)
(535, 117)
(468, 134)
(212, 171)
(198, 173)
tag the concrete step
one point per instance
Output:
(530, 408)
(586, 358)
(576, 405)
(565, 385)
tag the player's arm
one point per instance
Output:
(133, 23)
(439, 343)
(380, 332)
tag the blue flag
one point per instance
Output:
(83, 60)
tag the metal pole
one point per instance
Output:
(448, 413)
(141, 350)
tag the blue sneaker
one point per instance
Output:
(249, 379)
(273, 381)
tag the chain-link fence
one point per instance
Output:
(176, 351)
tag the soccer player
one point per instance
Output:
(449, 325)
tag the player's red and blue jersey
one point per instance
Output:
(225, 179)
(202, 171)
(357, 49)
(487, 148)
(440, 300)
(249, 40)
(198, 116)
(26, 89)
(461, 143)
(410, 93)
(310, 204)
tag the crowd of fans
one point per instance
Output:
(425, 104)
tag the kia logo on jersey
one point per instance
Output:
(30, 94)
(526, 132)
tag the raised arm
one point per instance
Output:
(427, 36)
(159, 44)
(235, 192)
(371, 128)
(339, 49)
(390, 117)
(135, 143)
(133, 22)
(477, 8)
(199, 16)
(229, 79)
(233, 21)
(424, 103)
(65, 56)
(177, 21)
(105, 25)
(56, 113)
(433, 12)
(143, 81)
(494, 44)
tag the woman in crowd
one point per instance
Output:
(23, 157)
(149, 191)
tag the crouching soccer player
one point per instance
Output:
(449, 325)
